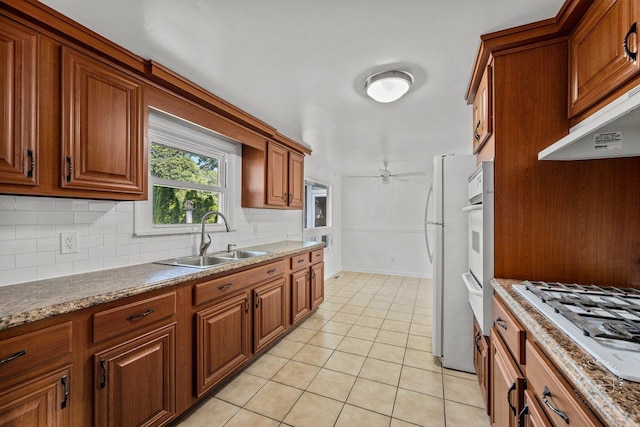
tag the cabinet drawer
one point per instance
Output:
(120, 320)
(299, 261)
(209, 291)
(36, 351)
(510, 330)
(317, 256)
(533, 413)
(558, 398)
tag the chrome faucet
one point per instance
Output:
(205, 245)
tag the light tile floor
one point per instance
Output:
(362, 359)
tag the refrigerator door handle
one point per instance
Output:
(426, 216)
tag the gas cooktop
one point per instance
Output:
(604, 321)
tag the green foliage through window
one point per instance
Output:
(177, 204)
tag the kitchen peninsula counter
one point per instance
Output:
(31, 301)
(616, 401)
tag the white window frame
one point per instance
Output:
(171, 131)
(315, 234)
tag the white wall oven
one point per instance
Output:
(480, 244)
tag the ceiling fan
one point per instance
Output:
(386, 176)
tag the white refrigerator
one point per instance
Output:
(446, 237)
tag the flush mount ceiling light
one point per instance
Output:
(388, 86)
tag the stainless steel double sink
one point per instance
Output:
(213, 260)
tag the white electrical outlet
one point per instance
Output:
(69, 242)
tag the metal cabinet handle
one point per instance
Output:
(273, 270)
(257, 300)
(15, 356)
(476, 341)
(65, 389)
(521, 416)
(103, 366)
(300, 260)
(501, 323)
(546, 393)
(625, 44)
(32, 163)
(69, 168)
(246, 304)
(290, 198)
(141, 315)
(284, 197)
(223, 287)
(476, 135)
(511, 389)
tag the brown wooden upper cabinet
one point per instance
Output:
(273, 178)
(483, 111)
(603, 52)
(18, 75)
(102, 130)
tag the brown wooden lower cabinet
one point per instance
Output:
(317, 284)
(146, 359)
(269, 315)
(481, 363)
(507, 385)
(39, 402)
(222, 340)
(135, 381)
(300, 295)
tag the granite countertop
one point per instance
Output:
(615, 400)
(27, 302)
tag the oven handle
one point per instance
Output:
(472, 285)
(472, 208)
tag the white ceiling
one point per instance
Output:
(300, 65)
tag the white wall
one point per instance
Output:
(383, 226)
(317, 172)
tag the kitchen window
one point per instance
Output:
(317, 212)
(188, 170)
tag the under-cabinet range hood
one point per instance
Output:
(613, 131)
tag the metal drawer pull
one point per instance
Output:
(512, 388)
(501, 323)
(103, 366)
(625, 44)
(141, 315)
(300, 260)
(476, 341)
(65, 388)
(223, 287)
(15, 356)
(246, 304)
(273, 270)
(546, 393)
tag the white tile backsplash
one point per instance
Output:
(30, 230)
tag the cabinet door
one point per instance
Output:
(507, 385)
(269, 316)
(136, 381)
(597, 60)
(102, 131)
(18, 102)
(296, 180)
(481, 363)
(317, 284)
(482, 112)
(277, 175)
(300, 295)
(222, 340)
(41, 402)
